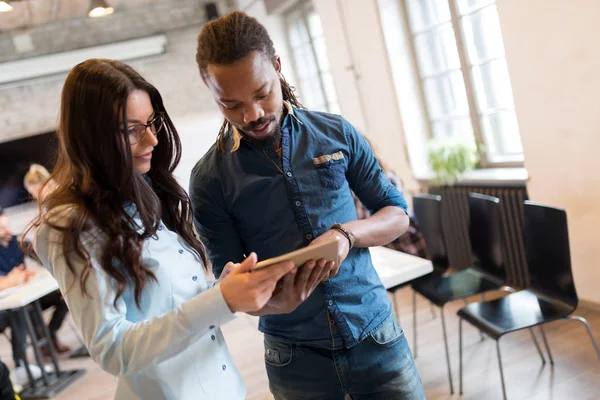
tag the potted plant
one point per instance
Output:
(449, 158)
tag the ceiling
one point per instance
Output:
(28, 13)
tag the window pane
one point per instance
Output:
(492, 86)
(321, 52)
(297, 30)
(501, 135)
(334, 108)
(460, 128)
(464, 6)
(424, 13)
(329, 87)
(305, 62)
(312, 94)
(436, 50)
(483, 37)
(446, 96)
(314, 24)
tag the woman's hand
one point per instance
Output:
(247, 291)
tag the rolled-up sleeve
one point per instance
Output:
(366, 177)
(120, 346)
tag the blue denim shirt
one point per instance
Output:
(250, 200)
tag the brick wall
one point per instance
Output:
(32, 107)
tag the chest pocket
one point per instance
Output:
(331, 169)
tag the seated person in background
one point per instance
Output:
(412, 241)
(35, 178)
(17, 276)
(12, 258)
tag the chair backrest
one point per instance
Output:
(546, 237)
(485, 233)
(428, 212)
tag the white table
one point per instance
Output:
(396, 268)
(20, 296)
(16, 302)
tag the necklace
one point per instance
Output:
(270, 159)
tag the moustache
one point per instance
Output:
(255, 124)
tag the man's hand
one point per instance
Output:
(343, 248)
(294, 289)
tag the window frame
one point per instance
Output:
(304, 8)
(465, 68)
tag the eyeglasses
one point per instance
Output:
(137, 132)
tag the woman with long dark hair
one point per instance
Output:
(116, 232)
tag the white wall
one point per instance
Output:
(554, 62)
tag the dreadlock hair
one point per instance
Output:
(228, 39)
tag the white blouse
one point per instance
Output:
(170, 348)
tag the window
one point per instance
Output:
(307, 44)
(464, 77)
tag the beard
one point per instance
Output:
(271, 140)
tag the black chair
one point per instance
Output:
(550, 297)
(487, 273)
(428, 213)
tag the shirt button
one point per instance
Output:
(213, 337)
(330, 302)
(160, 227)
(308, 237)
(194, 278)
(224, 367)
(289, 174)
(180, 251)
(298, 204)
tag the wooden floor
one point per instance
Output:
(575, 375)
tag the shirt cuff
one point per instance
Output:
(208, 310)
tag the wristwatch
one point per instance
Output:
(345, 232)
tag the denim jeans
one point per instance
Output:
(380, 367)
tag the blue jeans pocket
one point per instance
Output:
(388, 333)
(278, 353)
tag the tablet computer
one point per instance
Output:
(327, 250)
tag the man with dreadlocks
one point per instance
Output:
(280, 178)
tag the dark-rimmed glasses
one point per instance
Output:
(137, 132)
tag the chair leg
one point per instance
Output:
(481, 335)
(460, 350)
(432, 308)
(546, 344)
(537, 345)
(589, 330)
(501, 371)
(447, 351)
(414, 324)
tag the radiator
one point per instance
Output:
(455, 220)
